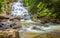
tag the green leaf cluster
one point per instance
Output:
(50, 8)
(3, 3)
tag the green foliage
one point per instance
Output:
(38, 8)
(0, 7)
(44, 12)
(3, 3)
(34, 16)
(50, 8)
(9, 0)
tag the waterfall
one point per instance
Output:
(19, 0)
(17, 9)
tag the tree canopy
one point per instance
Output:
(40, 8)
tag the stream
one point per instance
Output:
(26, 24)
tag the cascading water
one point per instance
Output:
(19, 10)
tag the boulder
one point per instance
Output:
(3, 16)
(41, 35)
(10, 33)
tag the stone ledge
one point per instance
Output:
(10, 33)
(4, 16)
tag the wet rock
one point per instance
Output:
(10, 33)
(58, 21)
(7, 21)
(15, 25)
(4, 16)
(40, 35)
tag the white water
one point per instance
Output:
(19, 10)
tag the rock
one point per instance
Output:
(9, 21)
(10, 33)
(15, 25)
(55, 33)
(3, 16)
(40, 35)
(58, 21)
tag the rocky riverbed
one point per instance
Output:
(30, 29)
